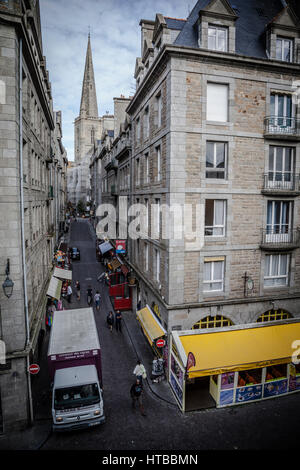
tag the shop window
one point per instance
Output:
(249, 377)
(212, 322)
(277, 372)
(273, 315)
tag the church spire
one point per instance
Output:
(88, 105)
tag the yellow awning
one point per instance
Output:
(151, 326)
(243, 349)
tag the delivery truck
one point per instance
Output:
(74, 361)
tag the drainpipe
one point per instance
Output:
(23, 228)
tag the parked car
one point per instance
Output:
(75, 253)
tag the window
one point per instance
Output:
(282, 110)
(272, 315)
(158, 160)
(284, 49)
(216, 156)
(276, 270)
(212, 322)
(157, 218)
(146, 219)
(146, 123)
(217, 102)
(159, 107)
(213, 276)
(215, 217)
(137, 171)
(280, 167)
(146, 168)
(146, 257)
(157, 264)
(217, 38)
(138, 129)
(279, 220)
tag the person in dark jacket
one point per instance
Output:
(119, 321)
(136, 393)
(89, 295)
(110, 320)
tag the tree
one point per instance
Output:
(80, 207)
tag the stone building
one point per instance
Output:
(88, 129)
(215, 125)
(32, 163)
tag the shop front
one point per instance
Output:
(234, 366)
(65, 275)
(153, 331)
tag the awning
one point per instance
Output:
(115, 263)
(105, 247)
(54, 288)
(151, 326)
(241, 349)
(63, 273)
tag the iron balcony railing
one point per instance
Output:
(282, 126)
(280, 237)
(281, 181)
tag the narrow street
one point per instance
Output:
(273, 423)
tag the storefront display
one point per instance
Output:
(294, 382)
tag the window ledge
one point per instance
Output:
(218, 123)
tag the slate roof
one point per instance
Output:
(253, 17)
(174, 23)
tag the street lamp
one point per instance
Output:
(8, 284)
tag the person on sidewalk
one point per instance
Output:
(140, 371)
(97, 299)
(119, 321)
(77, 285)
(69, 293)
(110, 320)
(136, 393)
(89, 296)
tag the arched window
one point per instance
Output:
(273, 315)
(212, 322)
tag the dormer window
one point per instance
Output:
(284, 49)
(217, 38)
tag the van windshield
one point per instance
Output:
(74, 397)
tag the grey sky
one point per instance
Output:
(115, 40)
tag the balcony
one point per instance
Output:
(287, 128)
(280, 239)
(281, 184)
(113, 190)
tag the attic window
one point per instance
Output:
(217, 38)
(284, 49)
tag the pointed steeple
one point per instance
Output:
(88, 105)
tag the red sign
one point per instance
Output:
(160, 343)
(34, 369)
(121, 246)
(191, 361)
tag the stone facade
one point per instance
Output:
(33, 164)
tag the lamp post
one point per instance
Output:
(8, 284)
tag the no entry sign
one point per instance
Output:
(34, 369)
(160, 343)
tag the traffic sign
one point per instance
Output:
(160, 343)
(34, 369)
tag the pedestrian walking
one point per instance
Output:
(89, 296)
(110, 320)
(77, 285)
(140, 371)
(69, 293)
(97, 299)
(136, 393)
(119, 321)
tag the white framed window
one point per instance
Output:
(217, 38)
(280, 173)
(279, 221)
(157, 218)
(158, 162)
(217, 102)
(276, 270)
(284, 49)
(146, 123)
(282, 112)
(147, 176)
(137, 171)
(146, 216)
(216, 160)
(157, 264)
(146, 257)
(138, 129)
(215, 217)
(159, 109)
(213, 280)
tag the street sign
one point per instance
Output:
(160, 343)
(34, 369)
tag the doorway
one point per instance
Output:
(197, 396)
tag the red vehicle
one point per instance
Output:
(120, 290)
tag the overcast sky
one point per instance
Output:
(115, 40)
